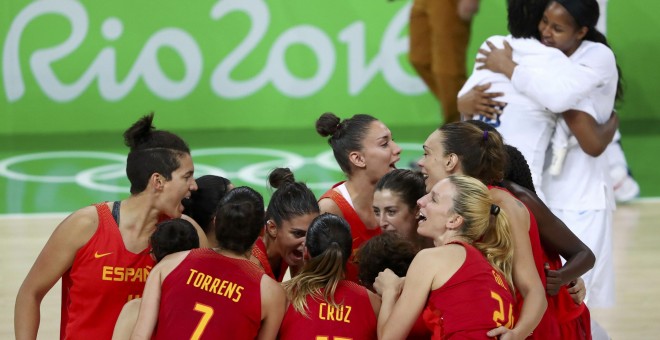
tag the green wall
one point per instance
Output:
(72, 66)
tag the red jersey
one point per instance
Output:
(548, 327)
(210, 296)
(353, 319)
(103, 277)
(574, 320)
(473, 301)
(260, 253)
(419, 330)
(359, 231)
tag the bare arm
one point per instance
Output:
(556, 236)
(148, 315)
(375, 302)
(273, 307)
(405, 309)
(127, 319)
(498, 60)
(54, 260)
(592, 137)
(525, 276)
(551, 79)
(478, 101)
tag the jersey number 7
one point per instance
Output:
(207, 313)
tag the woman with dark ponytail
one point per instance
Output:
(322, 302)
(365, 151)
(291, 209)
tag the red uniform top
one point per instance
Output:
(419, 330)
(103, 277)
(574, 320)
(210, 296)
(359, 231)
(473, 301)
(353, 319)
(548, 327)
(260, 253)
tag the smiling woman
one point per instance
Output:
(463, 286)
(109, 235)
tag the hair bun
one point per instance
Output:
(281, 176)
(327, 124)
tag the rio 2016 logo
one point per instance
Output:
(361, 70)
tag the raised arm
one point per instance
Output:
(54, 260)
(399, 313)
(548, 76)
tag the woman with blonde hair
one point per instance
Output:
(465, 148)
(464, 284)
(322, 302)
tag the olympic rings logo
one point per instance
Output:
(106, 176)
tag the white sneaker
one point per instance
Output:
(625, 187)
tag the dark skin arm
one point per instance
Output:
(592, 137)
(556, 236)
(478, 101)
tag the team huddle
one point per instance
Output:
(485, 239)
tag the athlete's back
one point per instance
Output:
(477, 290)
(210, 296)
(353, 317)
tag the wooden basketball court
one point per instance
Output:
(636, 255)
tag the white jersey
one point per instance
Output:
(544, 82)
(584, 182)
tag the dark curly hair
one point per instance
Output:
(517, 170)
(172, 236)
(387, 250)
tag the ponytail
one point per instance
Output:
(485, 225)
(318, 278)
(497, 245)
